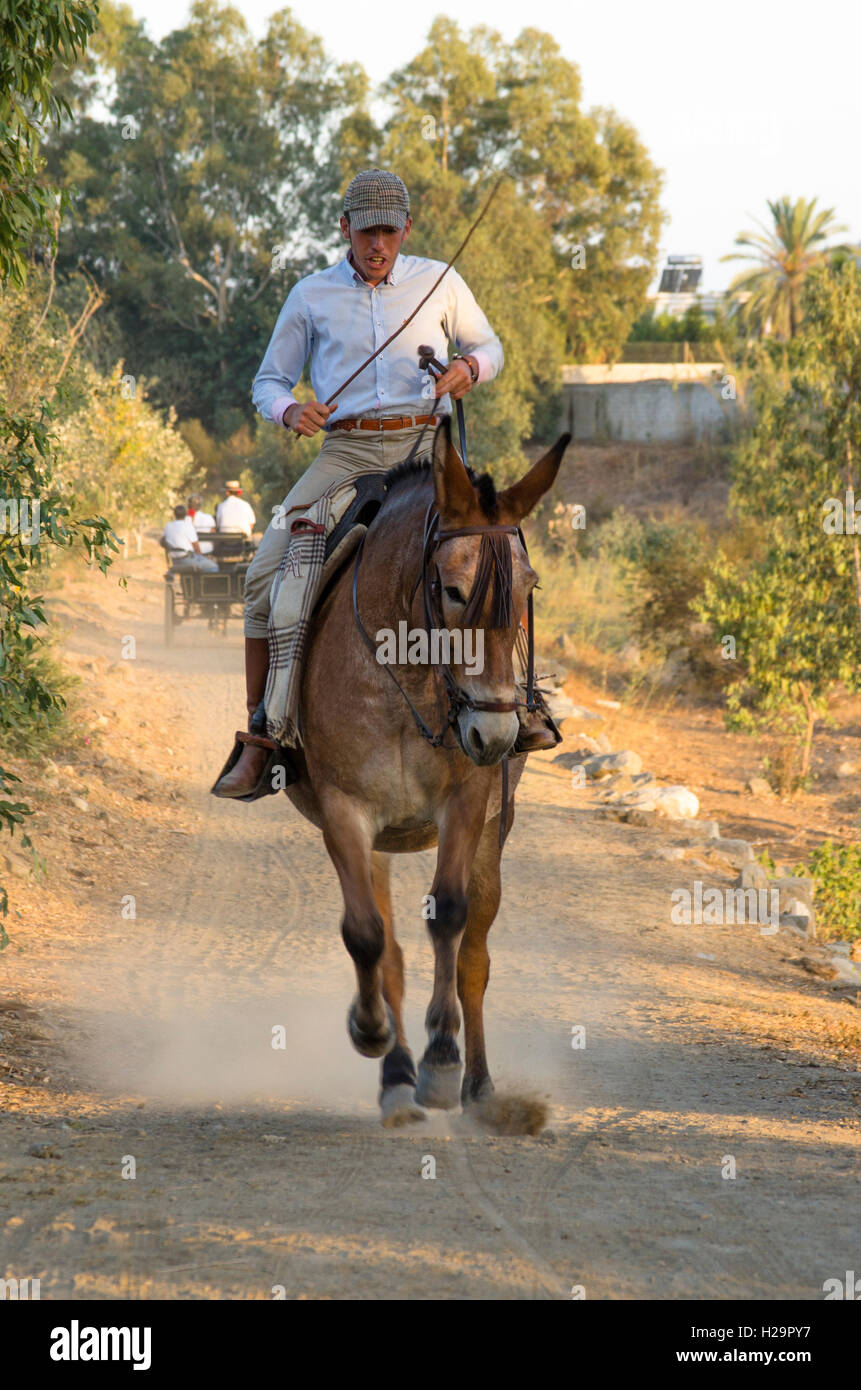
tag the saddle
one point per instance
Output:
(343, 539)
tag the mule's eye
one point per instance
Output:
(454, 594)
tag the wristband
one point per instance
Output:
(459, 357)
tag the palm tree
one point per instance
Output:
(784, 255)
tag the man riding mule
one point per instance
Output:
(336, 318)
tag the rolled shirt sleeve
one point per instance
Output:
(284, 359)
(467, 326)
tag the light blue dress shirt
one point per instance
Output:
(337, 319)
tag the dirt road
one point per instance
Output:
(259, 1170)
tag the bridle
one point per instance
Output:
(492, 567)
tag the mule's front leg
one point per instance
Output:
(397, 1072)
(349, 840)
(459, 832)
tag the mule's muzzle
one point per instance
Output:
(486, 736)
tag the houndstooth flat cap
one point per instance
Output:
(377, 198)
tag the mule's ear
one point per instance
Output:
(519, 499)
(454, 494)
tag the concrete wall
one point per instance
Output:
(654, 403)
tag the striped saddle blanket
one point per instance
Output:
(321, 538)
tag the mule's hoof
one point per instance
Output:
(474, 1090)
(398, 1107)
(372, 1044)
(438, 1088)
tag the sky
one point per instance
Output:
(736, 102)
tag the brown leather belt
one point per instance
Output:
(388, 422)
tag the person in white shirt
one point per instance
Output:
(234, 513)
(179, 539)
(201, 521)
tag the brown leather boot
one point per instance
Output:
(537, 732)
(243, 777)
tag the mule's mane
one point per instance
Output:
(414, 468)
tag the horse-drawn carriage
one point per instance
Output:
(214, 596)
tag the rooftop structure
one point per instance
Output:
(679, 290)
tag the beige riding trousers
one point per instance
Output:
(344, 454)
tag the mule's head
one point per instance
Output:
(481, 593)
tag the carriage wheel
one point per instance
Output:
(169, 620)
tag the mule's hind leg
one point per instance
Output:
(473, 961)
(459, 832)
(349, 840)
(398, 1072)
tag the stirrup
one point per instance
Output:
(278, 757)
(521, 742)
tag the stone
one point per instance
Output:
(42, 1151)
(677, 803)
(559, 705)
(609, 704)
(576, 758)
(80, 803)
(706, 829)
(738, 852)
(640, 798)
(614, 788)
(816, 967)
(752, 875)
(758, 786)
(18, 865)
(602, 764)
(586, 746)
(795, 887)
(789, 924)
(571, 723)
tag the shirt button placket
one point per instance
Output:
(378, 339)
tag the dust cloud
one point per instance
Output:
(199, 1035)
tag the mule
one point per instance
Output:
(376, 788)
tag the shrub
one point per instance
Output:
(836, 871)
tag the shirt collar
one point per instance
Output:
(393, 277)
